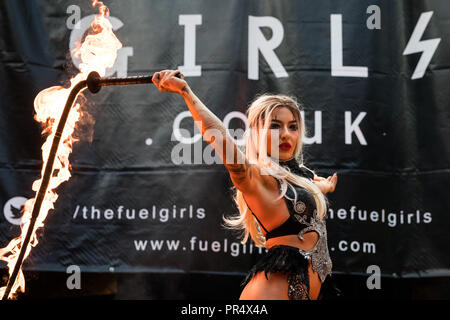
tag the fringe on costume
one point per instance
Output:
(287, 260)
(290, 261)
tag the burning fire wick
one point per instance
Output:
(94, 83)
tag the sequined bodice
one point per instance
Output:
(303, 218)
(303, 209)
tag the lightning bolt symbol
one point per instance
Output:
(415, 45)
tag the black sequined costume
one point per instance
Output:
(291, 260)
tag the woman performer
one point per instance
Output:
(281, 202)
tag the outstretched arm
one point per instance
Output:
(212, 129)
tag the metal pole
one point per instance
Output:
(94, 83)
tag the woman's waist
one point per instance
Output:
(308, 243)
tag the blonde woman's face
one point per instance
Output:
(284, 128)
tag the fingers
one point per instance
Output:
(165, 74)
(333, 181)
(156, 78)
(174, 73)
(334, 176)
(330, 178)
(157, 81)
(161, 78)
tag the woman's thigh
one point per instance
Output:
(314, 283)
(260, 288)
(276, 287)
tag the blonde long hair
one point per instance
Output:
(259, 115)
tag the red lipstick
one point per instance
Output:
(285, 146)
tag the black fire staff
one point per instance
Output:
(94, 83)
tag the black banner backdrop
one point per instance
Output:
(146, 194)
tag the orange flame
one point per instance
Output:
(98, 52)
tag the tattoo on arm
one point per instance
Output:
(241, 172)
